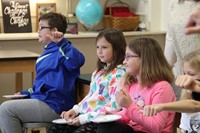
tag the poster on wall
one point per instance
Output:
(16, 16)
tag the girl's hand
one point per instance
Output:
(75, 122)
(151, 110)
(187, 82)
(123, 99)
(56, 36)
(68, 115)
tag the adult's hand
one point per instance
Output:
(193, 23)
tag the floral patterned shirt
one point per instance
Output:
(101, 96)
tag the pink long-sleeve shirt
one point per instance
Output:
(160, 92)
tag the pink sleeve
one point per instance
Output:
(161, 94)
(124, 118)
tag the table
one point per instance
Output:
(82, 86)
(18, 61)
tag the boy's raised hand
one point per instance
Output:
(56, 36)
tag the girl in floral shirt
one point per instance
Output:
(111, 46)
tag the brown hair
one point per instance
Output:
(154, 66)
(118, 42)
(55, 20)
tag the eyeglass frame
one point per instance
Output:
(126, 57)
(43, 27)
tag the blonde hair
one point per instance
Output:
(193, 59)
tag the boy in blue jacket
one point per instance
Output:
(53, 89)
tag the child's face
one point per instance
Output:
(190, 71)
(132, 62)
(43, 30)
(104, 50)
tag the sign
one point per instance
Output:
(16, 16)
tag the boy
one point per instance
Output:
(53, 88)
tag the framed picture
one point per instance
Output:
(42, 8)
(72, 28)
(16, 16)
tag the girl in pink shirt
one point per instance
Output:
(147, 82)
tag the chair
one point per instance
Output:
(34, 125)
(176, 122)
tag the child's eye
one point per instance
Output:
(191, 74)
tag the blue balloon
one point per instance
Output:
(89, 12)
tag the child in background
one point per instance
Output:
(111, 46)
(190, 122)
(53, 89)
(147, 82)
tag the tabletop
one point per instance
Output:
(16, 54)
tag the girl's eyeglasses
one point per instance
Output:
(126, 57)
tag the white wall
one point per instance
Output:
(164, 14)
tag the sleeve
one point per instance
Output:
(27, 92)
(169, 42)
(125, 118)
(76, 109)
(111, 105)
(71, 57)
(90, 91)
(169, 48)
(162, 94)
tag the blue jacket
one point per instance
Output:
(56, 71)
